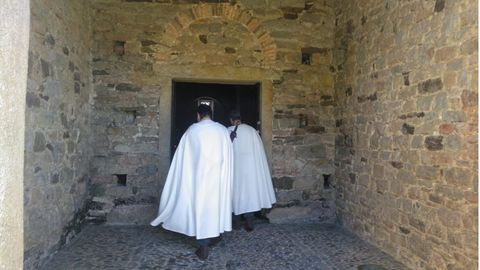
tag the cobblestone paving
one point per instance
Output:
(268, 247)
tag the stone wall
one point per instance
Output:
(57, 137)
(14, 26)
(406, 152)
(141, 46)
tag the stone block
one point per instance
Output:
(449, 218)
(296, 4)
(408, 129)
(283, 182)
(364, 98)
(454, 142)
(404, 230)
(428, 172)
(293, 140)
(454, 116)
(417, 142)
(339, 141)
(445, 54)
(289, 197)
(309, 182)
(100, 72)
(458, 177)
(439, 5)
(132, 214)
(287, 123)
(364, 180)
(435, 198)
(455, 64)
(378, 171)
(421, 248)
(450, 79)
(39, 143)
(311, 151)
(396, 164)
(136, 148)
(434, 143)
(45, 68)
(417, 223)
(397, 188)
(32, 100)
(315, 129)
(313, 167)
(147, 170)
(128, 87)
(446, 129)
(469, 46)
(469, 99)
(327, 101)
(290, 13)
(430, 86)
(314, 213)
(440, 102)
(424, 103)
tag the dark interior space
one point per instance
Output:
(221, 97)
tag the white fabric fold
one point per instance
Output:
(252, 182)
(196, 199)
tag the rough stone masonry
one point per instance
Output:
(58, 131)
(141, 46)
(406, 150)
(368, 110)
(15, 31)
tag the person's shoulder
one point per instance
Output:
(220, 126)
(193, 126)
(209, 124)
(247, 127)
(191, 129)
(202, 124)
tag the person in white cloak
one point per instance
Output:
(196, 199)
(252, 182)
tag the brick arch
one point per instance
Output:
(176, 28)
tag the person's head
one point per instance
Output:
(204, 112)
(235, 117)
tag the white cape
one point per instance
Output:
(252, 182)
(196, 199)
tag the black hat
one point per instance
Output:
(204, 110)
(235, 115)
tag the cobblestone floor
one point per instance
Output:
(268, 247)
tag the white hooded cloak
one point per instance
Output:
(196, 199)
(252, 182)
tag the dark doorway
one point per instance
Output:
(221, 97)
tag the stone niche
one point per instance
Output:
(141, 47)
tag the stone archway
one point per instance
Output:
(178, 39)
(177, 27)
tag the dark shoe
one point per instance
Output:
(215, 241)
(202, 253)
(236, 225)
(248, 224)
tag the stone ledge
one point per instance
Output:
(315, 212)
(140, 214)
